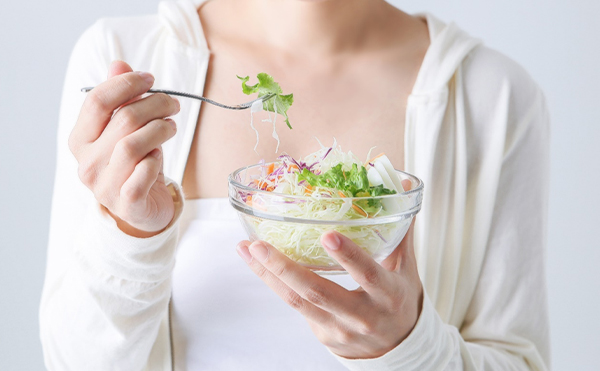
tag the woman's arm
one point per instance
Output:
(105, 299)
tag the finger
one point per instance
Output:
(373, 278)
(407, 247)
(399, 257)
(129, 151)
(137, 114)
(291, 297)
(309, 285)
(118, 67)
(396, 258)
(101, 103)
(129, 119)
(135, 190)
(406, 184)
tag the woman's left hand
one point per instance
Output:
(364, 323)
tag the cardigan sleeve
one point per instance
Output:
(105, 300)
(506, 324)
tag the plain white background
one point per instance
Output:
(556, 40)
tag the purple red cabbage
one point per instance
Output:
(380, 236)
(327, 153)
(301, 165)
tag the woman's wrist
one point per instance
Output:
(178, 201)
(131, 230)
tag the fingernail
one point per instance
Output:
(147, 77)
(242, 251)
(172, 123)
(332, 241)
(259, 251)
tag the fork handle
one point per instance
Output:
(188, 95)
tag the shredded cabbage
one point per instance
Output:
(326, 179)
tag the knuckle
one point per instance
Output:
(344, 337)
(367, 328)
(293, 300)
(316, 295)
(261, 272)
(127, 117)
(127, 147)
(96, 104)
(279, 270)
(131, 195)
(87, 172)
(372, 275)
(351, 255)
(395, 302)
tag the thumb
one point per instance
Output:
(118, 67)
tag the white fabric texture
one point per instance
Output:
(223, 317)
(477, 133)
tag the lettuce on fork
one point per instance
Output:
(266, 85)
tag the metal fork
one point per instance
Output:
(188, 95)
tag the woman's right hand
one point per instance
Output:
(119, 153)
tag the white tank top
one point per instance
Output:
(223, 316)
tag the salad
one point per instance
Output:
(329, 186)
(291, 202)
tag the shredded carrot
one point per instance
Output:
(249, 200)
(270, 168)
(292, 166)
(359, 210)
(261, 184)
(375, 158)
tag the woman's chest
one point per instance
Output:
(360, 105)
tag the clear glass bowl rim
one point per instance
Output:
(232, 181)
(391, 218)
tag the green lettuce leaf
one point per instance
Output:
(353, 183)
(266, 85)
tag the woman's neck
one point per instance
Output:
(321, 27)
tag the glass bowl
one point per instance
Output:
(294, 224)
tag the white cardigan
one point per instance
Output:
(477, 133)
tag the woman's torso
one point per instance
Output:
(223, 316)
